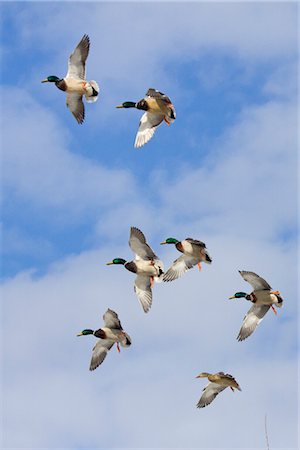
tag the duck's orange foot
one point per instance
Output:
(274, 310)
(118, 347)
(199, 265)
(151, 282)
(167, 122)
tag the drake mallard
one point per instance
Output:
(158, 107)
(262, 297)
(74, 83)
(111, 333)
(146, 265)
(217, 383)
(193, 251)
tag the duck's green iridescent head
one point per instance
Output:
(127, 105)
(239, 295)
(170, 241)
(117, 261)
(51, 79)
(85, 332)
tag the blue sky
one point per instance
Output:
(224, 172)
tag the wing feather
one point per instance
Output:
(210, 391)
(255, 280)
(147, 127)
(77, 59)
(179, 267)
(76, 106)
(139, 246)
(100, 351)
(253, 317)
(142, 288)
(112, 320)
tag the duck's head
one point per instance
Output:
(117, 261)
(170, 240)
(51, 79)
(85, 332)
(203, 375)
(127, 105)
(238, 295)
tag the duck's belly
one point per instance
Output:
(146, 267)
(109, 334)
(76, 86)
(264, 298)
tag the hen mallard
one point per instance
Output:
(111, 333)
(146, 265)
(218, 382)
(193, 253)
(74, 83)
(262, 297)
(158, 107)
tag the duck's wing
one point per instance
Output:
(139, 246)
(255, 315)
(179, 267)
(231, 379)
(76, 64)
(76, 106)
(210, 391)
(99, 352)
(148, 124)
(142, 288)
(163, 101)
(154, 93)
(196, 242)
(112, 320)
(256, 281)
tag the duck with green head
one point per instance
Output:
(262, 297)
(158, 108)
(74, 83)
(111, 333)
(146, 265)
(194, 252)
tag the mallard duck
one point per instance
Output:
(218, 382)
(263, 298)
(110, 334)
(74, 83)
(193, 253)
(158, 107)
(146, 265)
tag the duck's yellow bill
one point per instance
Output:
(232, 298)
(79, 334)
(120, 106)
(164, 242)
(109, 263)
(44, 81)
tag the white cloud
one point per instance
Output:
(40, 168)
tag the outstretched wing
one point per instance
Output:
(76, 106)
(139, 246)
(148, 124)
(99, 352)
(179, 267)
(111, 320)
(210, 392)
(76, 64)
(196, 242)
(142, 288)
(255, 315)
(256, 281)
